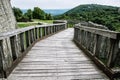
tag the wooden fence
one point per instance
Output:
(15, 44)
(102, 46)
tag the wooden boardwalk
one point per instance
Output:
(57, 58)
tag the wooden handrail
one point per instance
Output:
(15, 44)
(18, 31)
(103, 46)
(102, 32)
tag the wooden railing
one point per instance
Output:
(102, 46)
(15, 44)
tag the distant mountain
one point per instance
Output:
(24, 10)
(56, 11)
(51, 11)
(101, 14)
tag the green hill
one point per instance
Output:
(101, 14)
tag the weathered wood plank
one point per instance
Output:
(57, 58)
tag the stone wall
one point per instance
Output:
(7, 19)
(7, 23)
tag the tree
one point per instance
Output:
(24, 18)
(38, 13)
(49, 17)
(18, 13)
(29, 14)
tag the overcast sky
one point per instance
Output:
(60, 4)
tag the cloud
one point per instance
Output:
(60, 4)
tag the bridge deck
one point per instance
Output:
(56, 58)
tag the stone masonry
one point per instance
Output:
(7, 19)
(7, 23)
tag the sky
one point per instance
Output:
(59, 4)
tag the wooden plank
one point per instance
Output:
(57, 58)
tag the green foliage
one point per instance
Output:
(20, 17)
(37, 13)
(29, 14)
(101, 14)
(49, 17)
(18, 13)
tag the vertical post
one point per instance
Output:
(95, 45)
(1, 60)
(45, 30)
(36, 33)
(114, 49)
(27, 39)
(48, 30)
(31, 36)
(22, 42)
(57, 27)
(13, 47)
(74, 33)
(54, 29)
(51, 29)
(41, 32)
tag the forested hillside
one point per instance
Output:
(101, 14)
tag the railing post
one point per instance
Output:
(48, 32)
(95, 45)
(74, 33)
(41, 32)
(1, 60)
(78, 35)
(27, 39)
(30, 36)
(114, 49)
(45, 31)
(50, 29)
(33, 34)
(36, 33)
(58, 28)
(13, 47)
(22, 42)
(54, 29)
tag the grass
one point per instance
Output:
(44, 21)
(35, 22)
(25, 24)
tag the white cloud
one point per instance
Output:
(60, 4)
